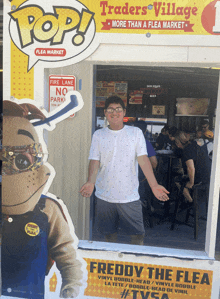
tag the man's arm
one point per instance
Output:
(159, 191)
(191, 173)
(153, 161)
(87, 189)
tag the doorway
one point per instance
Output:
(155, 91)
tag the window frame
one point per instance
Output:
(212, 217)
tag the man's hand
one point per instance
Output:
(160, 193)
(189, 185)
(87, 189)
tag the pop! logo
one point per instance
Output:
(52, 32)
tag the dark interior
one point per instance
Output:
(179, 82)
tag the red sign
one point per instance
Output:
(49, 52)
(58, 88)
(210, 18)
(149, 24)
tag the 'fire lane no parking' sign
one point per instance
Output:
(58, 88)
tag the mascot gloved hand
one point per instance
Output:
(34, 229)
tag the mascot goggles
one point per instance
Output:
(17, 159)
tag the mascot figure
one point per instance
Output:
(35, 231)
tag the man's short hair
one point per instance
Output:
(165, 128)
(172, 131)
(114, 100)
(183, 137)
(204, 122)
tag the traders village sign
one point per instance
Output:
(159, 8)
(46, 31)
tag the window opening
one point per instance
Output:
(156, 90)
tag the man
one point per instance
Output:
(170, 143)
(171, 133)
(205, 127)
(208, 142)
(195, 162)
(150, 150)
(114, 154)
(162, 138)
(164, 161)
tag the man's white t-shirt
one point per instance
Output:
(117, 151)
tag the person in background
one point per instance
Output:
(208, 141)
(162, 138)
(114, 156)
(205, 140)
(151, 152)
(144, 188)
(156, 135)
(199, 139)
(195, 163)
(205, 127)
(170, 144)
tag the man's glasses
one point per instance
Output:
(111, 110)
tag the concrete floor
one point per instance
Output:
(160, 235)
